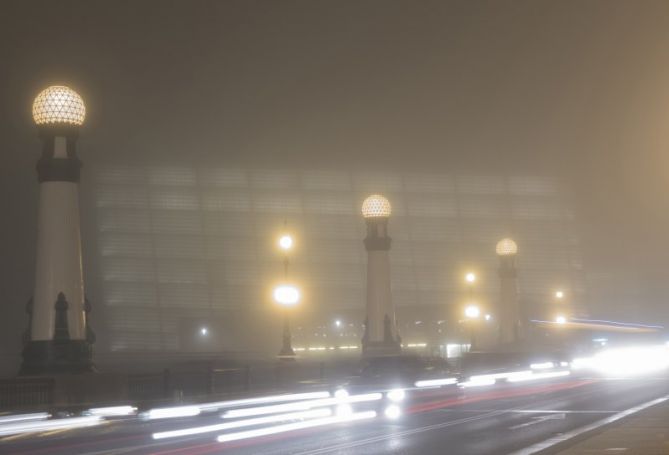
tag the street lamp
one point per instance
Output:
(470, 277)
(559, 295)
(508, 312)
(381, 337)
(561, 319)
(287, 296)
(59, 338)
(472, 312)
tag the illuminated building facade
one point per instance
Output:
(177, 245)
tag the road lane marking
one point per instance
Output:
(539, 419)
(399, 434)
(555, 440)
(531, 411)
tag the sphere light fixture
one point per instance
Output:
(506, 247)
(376, 206)
(59, 105)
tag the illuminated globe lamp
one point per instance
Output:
(510, 321)
(381, 336)
(59, 339)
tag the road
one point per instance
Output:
(494, 419)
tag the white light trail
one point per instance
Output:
(542, 366)
(344, 410)
(316, 413)
(295, 426)
(300, 406)
(536, 376)
(341, 393)
(24, 417)
(170, 413)
(396, 395)
(478, 383)
(264, 400)
(112, 411)
(436, 382)
(49, 425)
(393, 412)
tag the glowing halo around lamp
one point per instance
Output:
(59, 105)
(286, 242)
(376, 206)
(506, 247)
(286, 295)
(472, 311)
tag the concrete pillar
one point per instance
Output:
(509, 314)
(381, 336)
(58, 339)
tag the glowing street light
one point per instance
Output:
(561, 319)
(559, 295)
(287, 296)
(204, 331)
(506, 247)
(470, 277)
(472, 311)
(286, 242)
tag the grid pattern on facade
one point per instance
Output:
(176, 242)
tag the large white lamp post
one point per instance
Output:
(381, 337)
(59, 338)
(510, 324)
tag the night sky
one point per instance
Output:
(578, 89)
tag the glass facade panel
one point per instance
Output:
(176, 243)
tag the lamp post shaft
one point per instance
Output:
(59, 339)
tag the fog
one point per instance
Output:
(574, 90)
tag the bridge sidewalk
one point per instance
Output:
(642, 433)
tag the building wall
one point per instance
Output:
(178, 244)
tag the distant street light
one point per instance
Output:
(204, 331)
(559, 295)
(287, 296)
(561, 319)
(337, 323)
(470, 277)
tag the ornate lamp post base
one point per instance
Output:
(42, 357)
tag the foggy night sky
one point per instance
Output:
(579, 89)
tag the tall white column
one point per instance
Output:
(58, 339)
(381, 335)
(509, 314)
